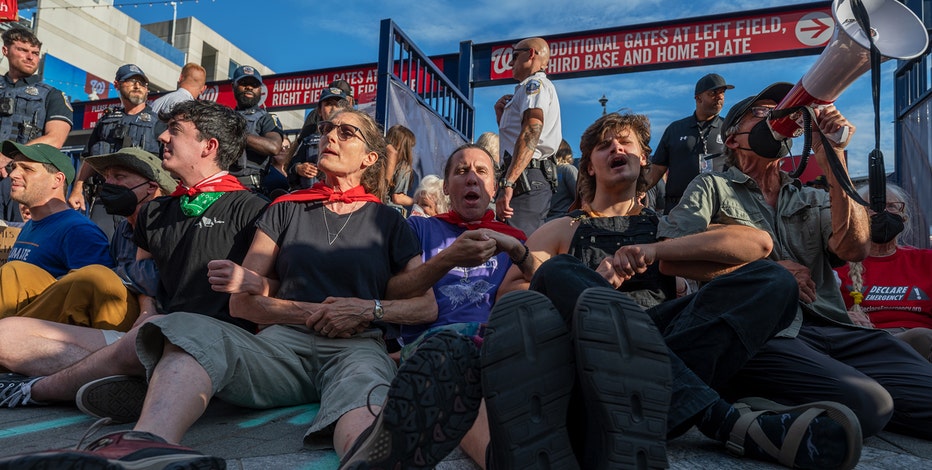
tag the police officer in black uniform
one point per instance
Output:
(263, 135)
(133, 124)
(31, 112)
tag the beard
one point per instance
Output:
(245, 102)
(135, 98)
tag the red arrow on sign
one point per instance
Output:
(820, 27)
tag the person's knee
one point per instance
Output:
(872, 404)
(919, 339)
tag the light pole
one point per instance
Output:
(171, 39)
(603, 101)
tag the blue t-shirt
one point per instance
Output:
(464, 294)
(61, 242)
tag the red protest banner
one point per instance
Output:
(745, 34)
(8, 10)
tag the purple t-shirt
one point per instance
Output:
(464, 294)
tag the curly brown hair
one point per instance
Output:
(638, 124)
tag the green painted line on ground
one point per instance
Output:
(270, 415)
(43, 426)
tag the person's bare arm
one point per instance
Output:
(267, 144)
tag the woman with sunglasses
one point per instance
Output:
(892, 288)
(318, 276)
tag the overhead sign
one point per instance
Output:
(743, 35)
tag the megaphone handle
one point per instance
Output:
(839, 136)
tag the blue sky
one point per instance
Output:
(293, 35)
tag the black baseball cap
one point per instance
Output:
(712, 81)
(776, 92)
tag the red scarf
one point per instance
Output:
(224, 183)
(488, 221)
(322, 192)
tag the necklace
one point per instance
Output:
(331, 237)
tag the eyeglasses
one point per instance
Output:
(344, 131)
(760, 111)
(896, 206)
(518, 50)
(136, 81)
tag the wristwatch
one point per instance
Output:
(504, 183)
(378, 312)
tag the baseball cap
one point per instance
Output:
(343, 85)
(42, 153)
(332, 92)
(711, 82)
(130, 70)
(244, 71)
(137, 160)
(776, 91)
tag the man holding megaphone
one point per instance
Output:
(822, 355)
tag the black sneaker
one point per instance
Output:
(527, 378)
(432, 403)
(126, 449)
(624, 373)
(16, 390)
(118, 397)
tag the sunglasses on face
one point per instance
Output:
(136, 81)
(762, 112)
(344, 131)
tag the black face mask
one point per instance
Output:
(119, 200)
(885, 226)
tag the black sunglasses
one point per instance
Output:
(344, 131)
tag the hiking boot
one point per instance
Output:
(126, 449)
(432, 403)
(528, 374)
(16, 390)
(624, 372)
(118, 397)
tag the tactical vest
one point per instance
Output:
(599, 237)
(245, 165)
(116, 130)
(22, 111)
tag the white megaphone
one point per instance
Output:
(897, 33)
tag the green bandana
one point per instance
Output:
(200, 203)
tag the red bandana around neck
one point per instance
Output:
(322, 192)
(224, 183)
(488, 221)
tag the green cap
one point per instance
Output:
(42, 153)
(137, 160)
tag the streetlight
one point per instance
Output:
(603, 101)
(171, 39)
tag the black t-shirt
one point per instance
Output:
(182, 246)
(679, 149)
(374, 244)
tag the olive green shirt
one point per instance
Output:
(800, 228)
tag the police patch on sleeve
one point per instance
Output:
(68, 104)
(532, 87)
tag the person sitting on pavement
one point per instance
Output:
(822, 355)
(96, 296)
(210, 215)
(585, 272)
(890, 288)
(55, 240)
(466, 254)
(321, 339)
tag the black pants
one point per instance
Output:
(711, 334)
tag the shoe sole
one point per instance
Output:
(432, 403)
(83, 461)
(838, 412)
(119, 397)
(528, 374)
(624, 373)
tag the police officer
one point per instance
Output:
(133, 124)
(31, 112)
(263, 136)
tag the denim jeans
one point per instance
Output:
(710, 334)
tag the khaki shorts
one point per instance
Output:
(280, 366)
